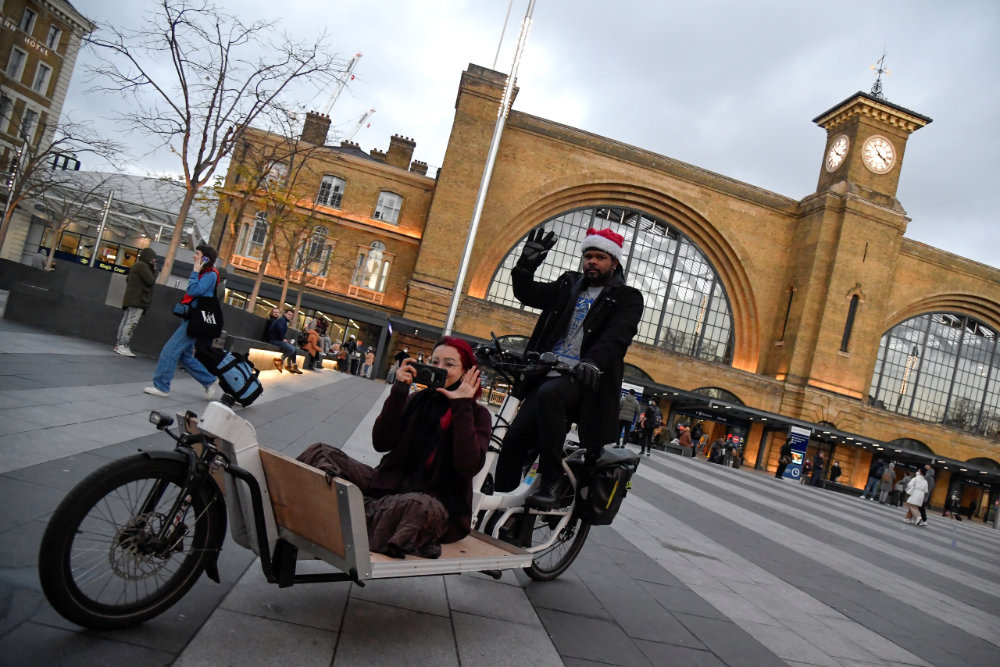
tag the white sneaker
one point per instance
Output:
(156, 392)
(125, 351)
(922, 524)
(210, 390)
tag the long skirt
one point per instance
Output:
(398, 524)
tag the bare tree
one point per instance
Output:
(70, 202)
(32, 170)
(223, 75)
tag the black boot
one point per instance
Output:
(546, 496)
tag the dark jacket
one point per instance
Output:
(608, 330)
(279, 329)
(453, 468)
(140, 281)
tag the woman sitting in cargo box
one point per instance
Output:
(420, 494)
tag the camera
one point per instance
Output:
(432, 376)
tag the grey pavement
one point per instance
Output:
(703, 566)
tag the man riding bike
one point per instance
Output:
(588, 320)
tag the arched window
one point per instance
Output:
(940, 367)
(252, 237)
(852, 311)
(371, 271)
(314, 253)
(686, 308)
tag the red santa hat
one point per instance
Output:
(604, 240)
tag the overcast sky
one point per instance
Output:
(726, 85)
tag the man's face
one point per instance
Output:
(288, 315)
(598, 266)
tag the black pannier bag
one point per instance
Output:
(237, 374)
(602, 494)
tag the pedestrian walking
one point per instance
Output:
(179, 348)
(628, 411)
(916, 492)
(929, 476)
(138, 297)
(874, 479)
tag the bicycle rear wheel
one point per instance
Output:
(101, 564)
(549, 564)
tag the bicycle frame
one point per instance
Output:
(496, 508)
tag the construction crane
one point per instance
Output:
(341, 82)
(365, 116)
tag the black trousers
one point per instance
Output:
(624, 428)
(540, 429)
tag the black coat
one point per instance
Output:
(608, 330)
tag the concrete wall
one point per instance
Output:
(74, 300)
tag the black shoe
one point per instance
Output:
(546, 496)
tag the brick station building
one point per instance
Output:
(762, 312)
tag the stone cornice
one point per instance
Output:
(862, 104)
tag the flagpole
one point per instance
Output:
(477, 213)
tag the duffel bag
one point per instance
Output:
(237, 374)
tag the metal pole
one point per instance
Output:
(488, 170)
(100, 230)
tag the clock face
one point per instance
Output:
(878, 154)
(838, 151)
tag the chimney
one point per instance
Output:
(315, 128)
(347, 143)
(377, 154)
(400, 151)
(418, 167)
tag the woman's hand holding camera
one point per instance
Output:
(406, 373)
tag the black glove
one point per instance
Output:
(535, 248)
(587, 373)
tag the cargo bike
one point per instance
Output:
(134, 536)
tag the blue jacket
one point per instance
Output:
(278, 330)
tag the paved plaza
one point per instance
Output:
(703, 566)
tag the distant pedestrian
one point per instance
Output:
(835, 472)
(929, 476)
(265, 335)
(279, 336)
(366, 370)
(684, 439)
(784, 458)
(179, 348)
(138, 297)
(874, 479)
(916, 492)
(817, 470)
(651, 420)
(888, 479)
(628, 411)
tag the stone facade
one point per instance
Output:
(791, 269)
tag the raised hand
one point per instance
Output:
(467, 388)
(535, 248)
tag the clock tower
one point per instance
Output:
(865, 142)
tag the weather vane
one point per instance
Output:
(879, 69)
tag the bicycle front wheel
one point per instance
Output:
(549, 564)
(103, 563)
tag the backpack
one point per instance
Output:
(302, 339)
(237, 375)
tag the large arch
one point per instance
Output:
(940, 367)
(965, 303)
(566, 194)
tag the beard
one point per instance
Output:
(596, 277)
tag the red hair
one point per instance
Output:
(465, 353)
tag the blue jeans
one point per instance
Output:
(287, 351)
(871, 488)
(179, 348)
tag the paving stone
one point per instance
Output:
(486, 642)
(404, 637)
(600, 640)
(231, 638)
